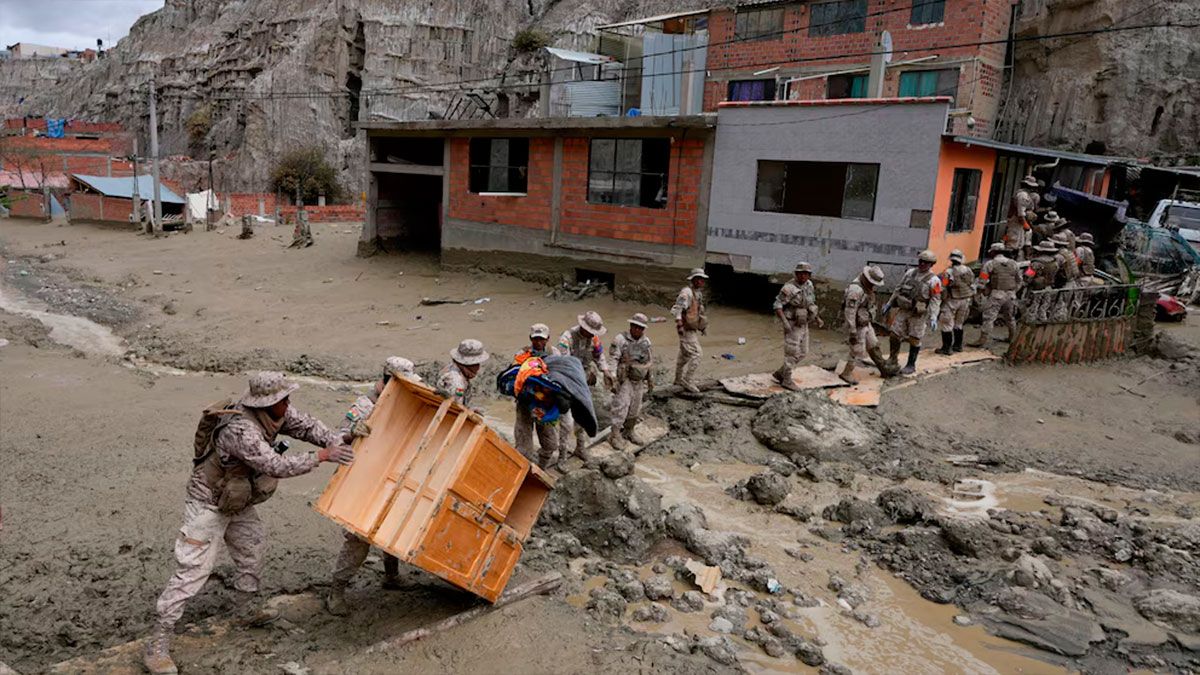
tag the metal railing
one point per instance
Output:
(1080, 304)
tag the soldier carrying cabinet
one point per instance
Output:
(796, 307)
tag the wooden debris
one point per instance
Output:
(539, 586)
(706, 576)
(763, 385)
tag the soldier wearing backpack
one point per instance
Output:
(236, 466)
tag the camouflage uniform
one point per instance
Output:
(453, 384)
(634, 359)
(858, 308)
(918, 297)
(246, 439)
(525, 426)
(798, 301)
(1040, 275)
(1087, 265)
(999, 279)
(689, 308)
(1022, 213)
(590, 352)
(959, 282)
(355, 548)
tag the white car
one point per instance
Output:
(1176, 215)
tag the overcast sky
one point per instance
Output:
(71, 24)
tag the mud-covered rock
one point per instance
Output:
(800, 512)
(651, 613)
(969, 538)
(804, 425)
(1171, 608)
(621, 517)
(734, 614)
(631, 590)
(690, 601)
(687, 523)
(772, 646)
(904, 506)
(658, 588)
(768, 488)
(852, 510)
(606, 603)
(721, 625)
(617, 465)
(810, 654)
(720, 649)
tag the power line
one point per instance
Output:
(383, 92)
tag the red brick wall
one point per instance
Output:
(27, 204)
(85, 206)
(964, 21)
(531, 210)
(675, 224)
(332, 213)
(246, 204)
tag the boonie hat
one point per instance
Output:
(1086, 238)
(469, 353)
(266, 389)
(398, 366)
(592, 323)
(997, 247)
(1029, 181)
(803, 267)
(873, 274)
(639, 319)
(697, 272)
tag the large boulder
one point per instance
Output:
(622, 518)
(1171, 608)
(807, 425)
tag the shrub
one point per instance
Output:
(307, 169)
(198, 124)
(530, 40)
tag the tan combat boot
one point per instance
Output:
(157, 655)
(335, 600)
(249, 611)
(784, 377)
(847, 373)
(628, 429)
(617, 441)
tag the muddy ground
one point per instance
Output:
(1086, 516)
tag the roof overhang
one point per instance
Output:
(1013, 148)
(652, 19)
(549, 126)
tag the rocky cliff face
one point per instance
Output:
(1124, 93)
(22, 79)
(274, 75)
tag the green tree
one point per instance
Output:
(307, 170)
(198, 124)
(530, 40)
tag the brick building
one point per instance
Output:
(823, 49)
(625, 197)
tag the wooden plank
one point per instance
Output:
(763, 385)
(539, 586)
(866, 393)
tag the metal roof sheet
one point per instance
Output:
(579, 57)
(1042, 152)
(123, 187)
(653, 19)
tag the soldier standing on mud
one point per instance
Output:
(1021, 215)
(690, 323)
(526, 425)
(858, 310)
(1087, 260)
(959, 282)
(583, 342)
(455, 379)
(236, 467)
(355, 548)
(796, 307)
(631, 351)
(916, 299)
(999, 280)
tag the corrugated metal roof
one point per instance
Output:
(1043, 152)
(579, 57)
(653, 19)
(123, 187)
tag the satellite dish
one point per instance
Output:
(885, 45)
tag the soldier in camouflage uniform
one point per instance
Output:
(633, 357)
(1021, 216)
(796, 307)
(1039, 276)
(1068, 266)
(916, 299)
(583, 342)
(525, 426)
(355, 548)
(690, 323)
(999, 280)
(959, 283)
(239, 469)
(858, 310)
(1087, 261)
(454, 381)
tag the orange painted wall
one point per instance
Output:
(958, 156)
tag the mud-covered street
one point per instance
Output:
(993, 519)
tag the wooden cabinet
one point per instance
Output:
(437, 488)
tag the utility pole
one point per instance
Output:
(208, 226)
(156, 225)
(137, 197)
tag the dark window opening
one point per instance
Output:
(833, 189)
(927, 11)
(1158, 113)
(758, 24)
(930, 83)
(752, 90)
(499, 165)
(846, 86)
(629, 171)
(964, 198)
(837, 18)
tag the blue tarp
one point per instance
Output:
(123, 187)
(55, 128)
